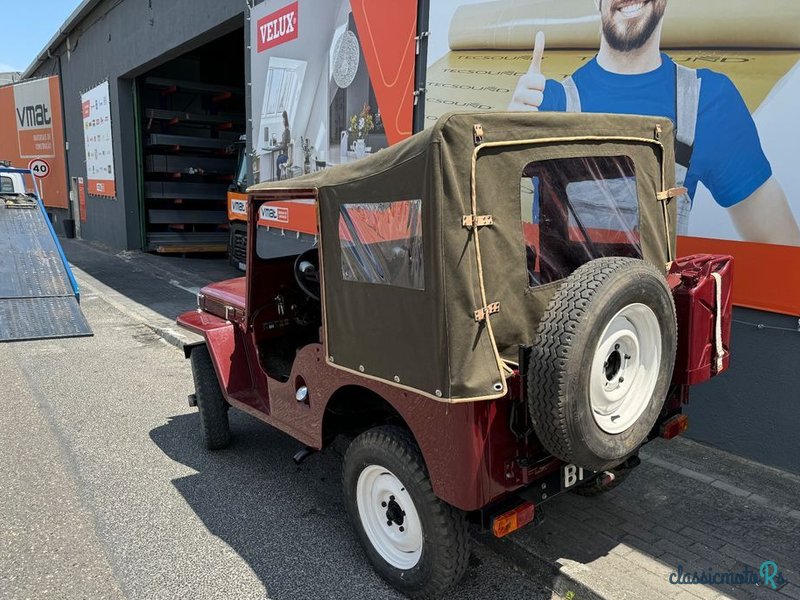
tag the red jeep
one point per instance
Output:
(493, 312)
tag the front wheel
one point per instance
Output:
(210, 401)
(416, 542)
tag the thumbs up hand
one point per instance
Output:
(529, 93)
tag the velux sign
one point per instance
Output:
(277, 28)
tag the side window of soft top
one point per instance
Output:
(381, 243)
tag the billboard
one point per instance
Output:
(727, 72)
(33, 135)
(97, 141)
(332, 81)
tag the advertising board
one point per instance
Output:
(332, 81)
(727, 72)
(33, 135)
(98, 143)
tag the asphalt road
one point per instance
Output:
(106, 491)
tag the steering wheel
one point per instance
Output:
(306, 273)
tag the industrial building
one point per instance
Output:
(176, 75)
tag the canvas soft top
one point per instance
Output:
(431, 339)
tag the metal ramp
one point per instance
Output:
(38, 294)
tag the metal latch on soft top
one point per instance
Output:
(477, 134)
(470, 221)
(675, 192)
(483, 313)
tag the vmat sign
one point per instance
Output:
(32, 126)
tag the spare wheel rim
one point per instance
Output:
(389, 517)
(625, 368)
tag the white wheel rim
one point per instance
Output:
(625, 368)
(389, 517)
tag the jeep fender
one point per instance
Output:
(227, 353)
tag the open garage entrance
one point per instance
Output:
(190, 118)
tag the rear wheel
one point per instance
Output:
(601, 366)
(416, 542)
(210, 401)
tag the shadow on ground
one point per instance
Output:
(164, 284)
(288, 522)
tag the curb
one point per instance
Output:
(163, 327)
(540, 568)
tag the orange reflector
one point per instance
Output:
(513, 519)
(674, 427)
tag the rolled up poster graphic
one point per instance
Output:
(512, 24)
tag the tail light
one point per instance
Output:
(513, 519)
(674, 426)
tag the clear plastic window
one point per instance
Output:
(6, 185)
(575, 210)
(382, 243)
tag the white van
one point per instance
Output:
(11, 183)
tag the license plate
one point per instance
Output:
(572, 475)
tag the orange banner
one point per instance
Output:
(82, 199)
(765, 275)
(237, 206)
(388, 31)
(32, 110)
(292, 215)
(101, 187)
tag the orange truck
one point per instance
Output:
(288, 227)
(237, 208)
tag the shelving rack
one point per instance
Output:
(189, 130)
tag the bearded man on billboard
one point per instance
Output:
(718, 143)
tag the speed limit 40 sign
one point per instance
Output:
(39, 167)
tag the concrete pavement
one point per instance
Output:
(107, 491)
(152, 515)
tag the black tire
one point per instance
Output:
(445, 546)
(567, 340)
(210, 401)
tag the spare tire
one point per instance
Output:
(600, 369)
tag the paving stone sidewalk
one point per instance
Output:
(687, 504)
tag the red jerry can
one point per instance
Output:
(704, 302)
